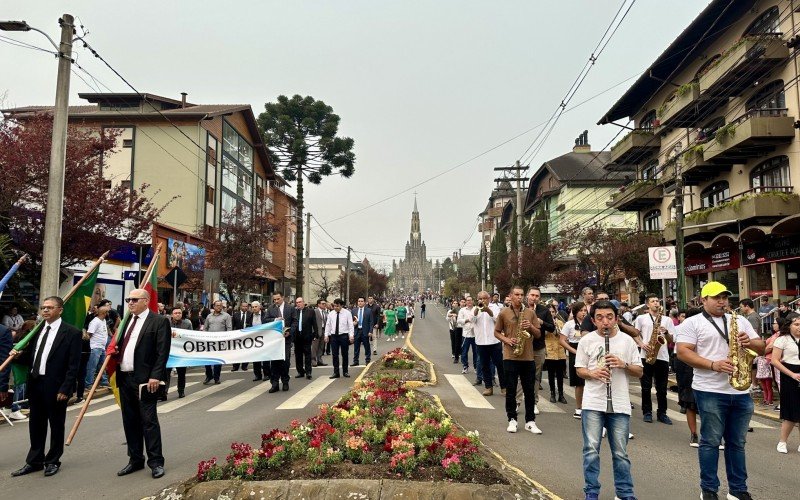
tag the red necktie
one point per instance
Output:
(127, 337)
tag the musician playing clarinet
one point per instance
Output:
(606, 359)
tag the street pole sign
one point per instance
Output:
(662, 263)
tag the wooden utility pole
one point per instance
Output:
(518, 172)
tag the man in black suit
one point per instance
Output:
(304, 332)
(54, 357)
(318, 344)
(142, 358)
(279, 370)
(239, 318)
(257, 316)
(363, 321)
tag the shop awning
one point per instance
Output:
(755, 233)
(724, 240)
(787, 226)
(690, 246)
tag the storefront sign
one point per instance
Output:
(772, 250)
(662, 263)
(717, 260)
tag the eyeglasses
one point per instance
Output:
(131, 300)
(47, 308)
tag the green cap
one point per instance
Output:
(714, 288)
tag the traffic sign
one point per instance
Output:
(663, 264)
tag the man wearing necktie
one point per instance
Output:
(239, 318)
(318, 344)
(304, 331)
(279, 369)
(339, 334)
(362, 323)
(54, 357)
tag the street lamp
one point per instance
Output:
(51, 252)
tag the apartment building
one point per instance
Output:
(718, 111)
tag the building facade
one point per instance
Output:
(414, 274)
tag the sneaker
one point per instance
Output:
(532, 428)
(535, 409)
(488, 392)
(708, 495)
(512, 425)
(17, 415)
(604, 432)
(577, 414)
(465, 370)
(591, 496)
(630, 435)
(664, 419)
(694, 442)
(782, 447)
(722, 447)
(739, 495)
(648, 417)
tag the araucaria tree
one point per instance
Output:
(301, 134)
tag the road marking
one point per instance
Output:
(93, 401)
(306, 394)
(191, 398)
(548, 407)
(245, 397)
(469, 395)
(113, 407)
(674, 415)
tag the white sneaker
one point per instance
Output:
(630, 435)
(465, 370)
(722, 447)
(577, 414)
(535, 409)
(531, 427)
(512, 426)
(604, 432)
(782, 447)
(17, 415)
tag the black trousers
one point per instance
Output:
(45, 410)
(493, 354)
(361, 338)
(181, 379)
(555, 374)
(140, 422)
(302, 355)
(524, 372)
(80, 381)
(340, 347)
(261, 369)
(213, 371)
(279, 370)
(659, 371)
(456, 339)
(243, 366)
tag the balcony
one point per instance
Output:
(745, 62)
(678, 107)
(693, 167)
(636, 196)
(752, 135)
(635, 147)
(766, 203)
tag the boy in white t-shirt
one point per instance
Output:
(98, 329)
(597, 366)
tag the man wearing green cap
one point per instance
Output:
(702, 342)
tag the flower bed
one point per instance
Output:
(399, 358)
(378, 430)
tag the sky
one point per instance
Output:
(430, 91)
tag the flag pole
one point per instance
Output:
(24, 342)
(102, 370)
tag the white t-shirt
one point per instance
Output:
(699, 332)
(484, 326)
(98, 329)
(573, 334)
(591, 348)
(788, 345)
(644, 324)
(466, 321)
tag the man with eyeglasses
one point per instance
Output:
(217, 321)
(54, 357)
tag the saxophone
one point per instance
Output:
(521, 335)
(656, 339)
(741, 358)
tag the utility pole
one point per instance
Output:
(365, 258)
(51, 256)
(679, 258)
(518, 170)
(306, 281)
(347, 270)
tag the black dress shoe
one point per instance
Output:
(216, 382)
(181, 394)
(158, 471)
(320, 363)
(257, 379)
(163, 397)
(346, 375)
(51, 469)
(273, 389)
(235, 369)
(285, 386)
(206, 381)
(130, 468)
(308, 377)
(300, 375)
(355, 363)
(335, 375)
(26, 469)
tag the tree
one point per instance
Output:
(96, 217)
(238, 248)
(498, 253)
(325, 286)
(378, 283)
(301, 134)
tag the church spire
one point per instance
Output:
(415, 202)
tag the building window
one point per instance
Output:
(770, 97)
(768, 22)
(127, 143)
(771, 174)
(126, 184)
(652, 220)
(648, 121)
(714, 194)
(270, 205)
(209, 194)
(211, 155)
(237, 169)
(650, 171)
(292, 238)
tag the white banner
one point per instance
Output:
(199, 348)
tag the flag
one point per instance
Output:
(75, 309)
(151, 287)
(7, 277)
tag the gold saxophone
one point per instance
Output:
(521, 335)
(656, 339)
(741, 358)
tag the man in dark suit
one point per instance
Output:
(257, 316)
(279, 369)
(142, 358)
(363, 321)
(239, 319)
(304, 332)
(54, 357)
(318, 344)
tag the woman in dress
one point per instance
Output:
(785, 357)
(390, 322)
(555, 359)
(402, 321)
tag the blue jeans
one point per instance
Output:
(491, 355)
(723, 416)
(465, 345)
(96, 358)
(617, 425)
(19, 395)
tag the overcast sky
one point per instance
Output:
(421, 86)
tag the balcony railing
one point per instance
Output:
(679, 107)
(636, 146)
(752, 135)
(762, 201)
(745, 62)
(637, 196)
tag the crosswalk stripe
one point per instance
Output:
(306, 394)
(191, 398)
(245, 397)
(92, 402)
(548, 407)
(113, 407)
(469, 395)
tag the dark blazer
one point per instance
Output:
(248, 320)
(63, 362)
(152, 349)
(368, 320)
(288, 315)
(238, 321)
(310, 330)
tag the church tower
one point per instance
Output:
(414, 273)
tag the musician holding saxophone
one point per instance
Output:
(606, 358)
(655, 332)
(719, 347)
(516, 327)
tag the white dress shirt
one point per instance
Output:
(54, 326)
(484, 326)
(127, 357)
(466, 320)
(345, 323)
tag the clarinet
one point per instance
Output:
(609, 404)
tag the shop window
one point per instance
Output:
(648, 121)
(768, 22)
(770, 174)
(715, 194)
(771, 98)
(652, 221)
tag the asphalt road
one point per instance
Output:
(664, 466)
